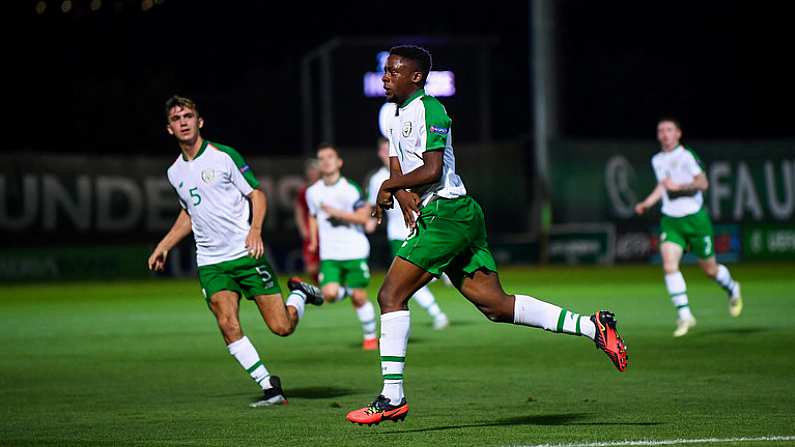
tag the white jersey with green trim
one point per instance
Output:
(681, 165)
(339, 241)
(213, 188)
(421, 124)
(396, 229)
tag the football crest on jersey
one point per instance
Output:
(406, 128)
(208, 175)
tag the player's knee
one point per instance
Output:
(281, 329)
(498, 312)
(330, 293)
(388, 301)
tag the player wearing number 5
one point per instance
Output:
(685, 223)
(218, 194)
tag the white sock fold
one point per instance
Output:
(677, 290)
(297, 300)
(395, 328)
(528, 311)
(248, 358)
(724, 279)
(366, 315)
(342, 292)
(425, 298)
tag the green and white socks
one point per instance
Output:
(297, 299)
(426, 300)
(248, 358)
(724, 279)
(366, 315)
(677, 290)
(342, 292)
(394, 338)
(528, 311)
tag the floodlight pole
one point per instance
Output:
(542, 43)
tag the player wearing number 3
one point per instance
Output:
(218, 194)
(685, 223)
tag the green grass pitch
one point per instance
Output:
(142, 363)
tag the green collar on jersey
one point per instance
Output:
(412, 97)
(198, 154)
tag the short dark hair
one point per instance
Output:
(419, 55)
(180, 101)
(327, 145)
(670, 119)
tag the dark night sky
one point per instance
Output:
(96, 81)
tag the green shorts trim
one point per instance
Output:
(693, 232)
(450, 238)
(353, 273)
(247, 276)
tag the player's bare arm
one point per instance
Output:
(259, 205)
(428, 173)
(312, 248)
(652, 199)
(360, 216)
(178, 231)
(699, 183)
(396, 186)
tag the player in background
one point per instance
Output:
(449, 235)
(215, 186)
(397, 232)
(338, 212)
(301, 214)
(685, 222)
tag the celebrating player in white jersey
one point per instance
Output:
(397, 232)
(338, 212)
(685, 222)
(215, 185)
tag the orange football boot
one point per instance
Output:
(370, 344)
(379, 410)
(608, 340)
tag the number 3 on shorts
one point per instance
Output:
(707, 245)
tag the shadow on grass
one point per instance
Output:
(733, 331)
(543, 419)
(317, 392)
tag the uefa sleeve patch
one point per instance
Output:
(244, 169)
(439, 130)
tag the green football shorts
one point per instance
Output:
(450, 237)
(353, 273)
(394, 246)
(246, 276)
(693, 231)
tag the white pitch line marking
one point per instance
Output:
(651, 442)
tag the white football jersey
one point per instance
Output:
(213, 189)
(339, 241)
(681, 165)
(421, 124)
(396, 229)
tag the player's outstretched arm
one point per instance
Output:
(259, 206)
(359, 216)
(699, 183)
(178, 231)
(651, 200)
